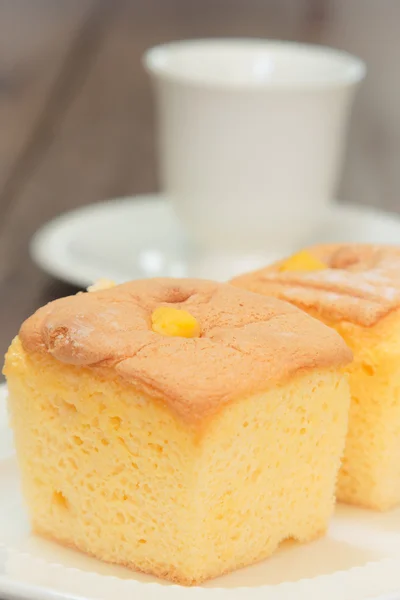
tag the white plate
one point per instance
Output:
(5, 433)
(358, 559)
(137, 237)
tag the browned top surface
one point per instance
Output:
(361, 283)
(247, 342)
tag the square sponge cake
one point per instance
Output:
(356, 290)
(182, 428)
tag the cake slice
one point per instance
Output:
(356, 290)
(182, 428)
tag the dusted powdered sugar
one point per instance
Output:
(361, 283)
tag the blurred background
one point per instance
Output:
(76, 112)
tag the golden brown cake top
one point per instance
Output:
(245, 342)
(360, 284)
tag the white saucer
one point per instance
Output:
(136, 237)
(357, 560)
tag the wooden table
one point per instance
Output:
(76, 114)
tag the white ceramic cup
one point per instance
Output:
(251, 135)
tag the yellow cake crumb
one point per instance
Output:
(112, 472)
(174, 322)
(182, 458)
(302, 261)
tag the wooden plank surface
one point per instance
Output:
(88, 133)
(35, 38)
(370, 29)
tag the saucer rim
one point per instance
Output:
(49, 245)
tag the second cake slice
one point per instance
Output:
(356, 290)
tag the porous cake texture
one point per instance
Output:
(183, 457)
(355, 289)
